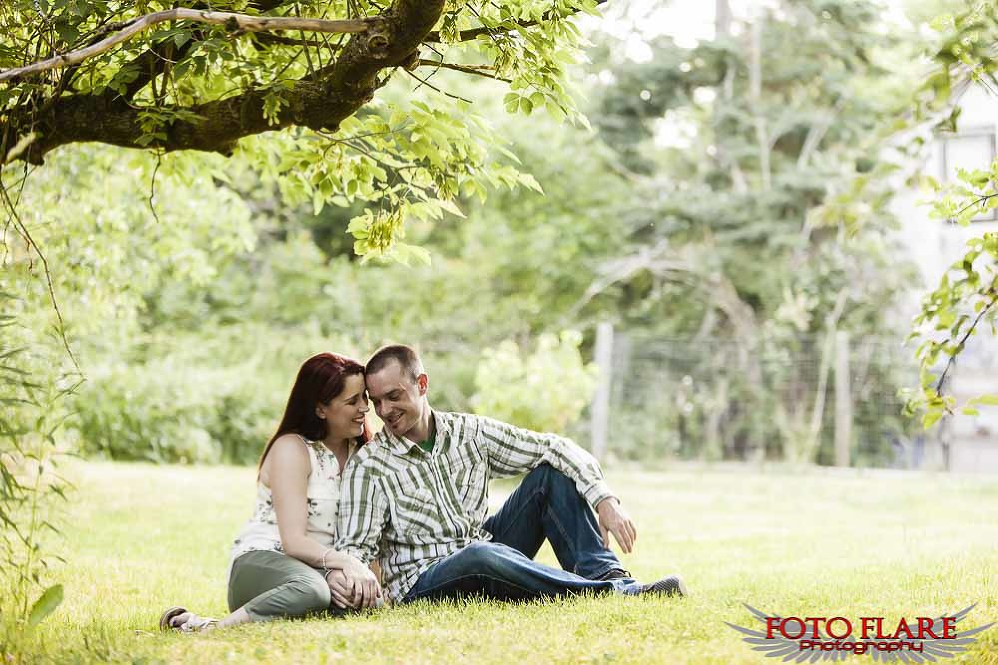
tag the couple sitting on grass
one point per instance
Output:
(331, 500)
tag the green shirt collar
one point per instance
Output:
(402, 445)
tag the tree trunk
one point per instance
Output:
(755, 98)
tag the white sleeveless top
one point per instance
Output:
(323, 494)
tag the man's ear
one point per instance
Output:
(423, 382)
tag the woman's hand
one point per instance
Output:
(339, 589)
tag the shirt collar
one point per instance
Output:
(401, 445)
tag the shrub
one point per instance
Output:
(546, 390)
(211, 401)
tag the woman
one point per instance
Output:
(283, 562)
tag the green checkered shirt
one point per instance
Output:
(411, 508)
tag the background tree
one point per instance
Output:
(762, 193)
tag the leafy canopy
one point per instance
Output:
(306, 95)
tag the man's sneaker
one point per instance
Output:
(614, 574)
(673, 585)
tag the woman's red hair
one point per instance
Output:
(320, 379)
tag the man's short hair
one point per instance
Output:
(405, 356)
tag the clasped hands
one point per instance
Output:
(353, 587)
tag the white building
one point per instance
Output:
(964, 443)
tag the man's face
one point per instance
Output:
(399, 400)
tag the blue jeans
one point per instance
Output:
(545, 505)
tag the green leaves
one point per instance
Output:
(31, 410)
(403, 161)
(966, 299)
(46, 604)
(273, 102)
(399, 158)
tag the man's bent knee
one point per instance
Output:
(483, 558)
(547, 475)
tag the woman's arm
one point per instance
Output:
(289, 468)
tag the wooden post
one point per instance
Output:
(843, 400)
(601, 400)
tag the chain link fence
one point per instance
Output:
(829, 399)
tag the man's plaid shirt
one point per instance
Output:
(411, 508)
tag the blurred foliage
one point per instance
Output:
(31, 414)
(191, 287)
(760, 220)
(545, 391)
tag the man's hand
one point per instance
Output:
(613, 519)
(356, 586)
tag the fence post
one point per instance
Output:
(600, 410)
(843, 400)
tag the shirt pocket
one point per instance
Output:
(414, 513)
(470, 484)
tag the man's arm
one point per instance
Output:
(363, 512)
(512, 450)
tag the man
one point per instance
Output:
(417, 494)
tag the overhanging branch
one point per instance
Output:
(242, 22)
(478, 70)
(473, 33)
(320, 101)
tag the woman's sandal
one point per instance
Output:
(193, 624)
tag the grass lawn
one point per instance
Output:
(811, 542)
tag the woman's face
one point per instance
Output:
(345, 413)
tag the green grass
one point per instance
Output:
(806, 542)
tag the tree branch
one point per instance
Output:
(478, 70)
(474, 33)
(242, 22)
(429, 85)
(319, 101)
(963, 340)
(152, 63)
(267, 39)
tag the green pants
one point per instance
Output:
(271, 585)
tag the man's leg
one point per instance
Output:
(548, 505)
(500, 572)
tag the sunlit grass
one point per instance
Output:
(140, 538)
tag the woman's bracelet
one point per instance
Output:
(322, 559)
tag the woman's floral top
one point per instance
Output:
(323, 494)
